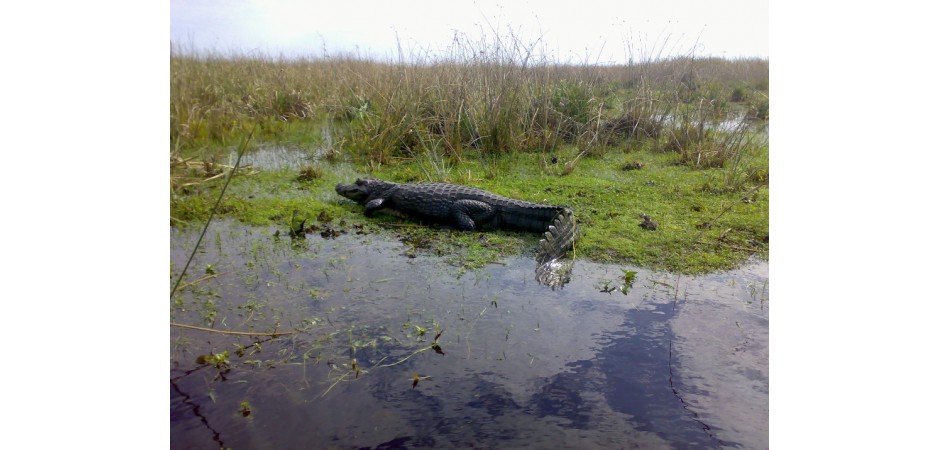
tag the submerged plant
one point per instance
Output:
(628, 277)
(218, 360)
(415, 378)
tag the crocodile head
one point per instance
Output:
(359, 191)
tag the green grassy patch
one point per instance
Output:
(704, 224)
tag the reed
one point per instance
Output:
(490, 95)
(677, 139)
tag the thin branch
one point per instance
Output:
(327, 391)
(215, 208)
(198, 280)
(407, 357)
(240, 333)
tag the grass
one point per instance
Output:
(673, 139)
(495, 101)
(703, 224)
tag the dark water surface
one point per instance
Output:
(677, 362)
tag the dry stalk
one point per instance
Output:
(240, 333)
(199, 280)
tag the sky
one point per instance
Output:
(591, 31)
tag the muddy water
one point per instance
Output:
(676, 362)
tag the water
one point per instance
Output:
(272, 156)
(677, 362)
(730, 123)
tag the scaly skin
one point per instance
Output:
(467, 208)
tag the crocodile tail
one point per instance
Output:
(559, 238)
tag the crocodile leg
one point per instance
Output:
(471, 215)
(373, 207)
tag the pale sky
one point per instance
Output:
(593, 30)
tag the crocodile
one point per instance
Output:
(469, 209)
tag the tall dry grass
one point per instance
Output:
(491, 96)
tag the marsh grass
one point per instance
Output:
(490, 113)
(487, 95)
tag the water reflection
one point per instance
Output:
(555, 273)
(676, 362)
